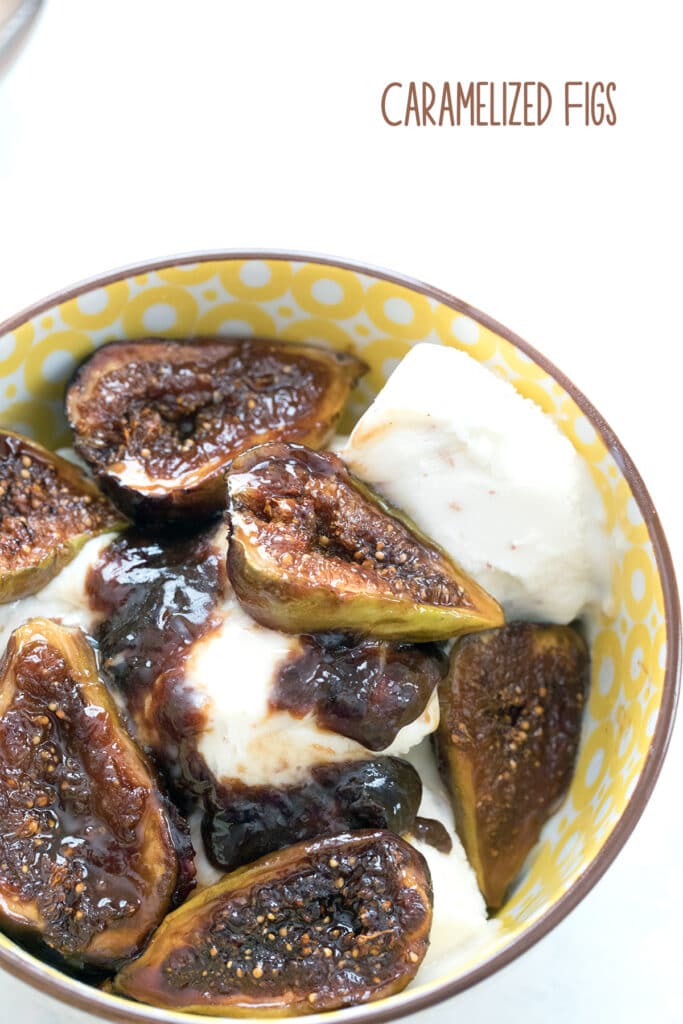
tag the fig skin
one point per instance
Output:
(48, 510)
(158, 420)
(91, 858)
(243, 823)
(511, 710)
(321, 925)
(312, 549)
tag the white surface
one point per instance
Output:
(488, 476)
(135, 129)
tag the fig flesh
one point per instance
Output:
(243, 823)
(48, 510)
(321, 925)
(511, 709)
(89, 854)
(312, 549)
(365, 689)
(158, 421)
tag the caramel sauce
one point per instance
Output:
(365, 689)
(432, 832)
(246, 822)
(182, 408)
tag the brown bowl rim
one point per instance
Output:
(80, 995)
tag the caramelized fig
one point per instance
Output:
(246, 822)
(365, 689)
(48, 510)
(312, 549)
(88, 857)
(324, 924)
(157, 597)
(159, 421)
(511, 709)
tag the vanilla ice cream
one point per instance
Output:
(490, 477)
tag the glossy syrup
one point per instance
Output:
(160, 596)
(157, 597)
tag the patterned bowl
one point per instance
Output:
(635, 654)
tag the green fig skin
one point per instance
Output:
(511, 710)
(48, 510)
(312, 549)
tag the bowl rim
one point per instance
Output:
(81, 996)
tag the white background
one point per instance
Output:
(139, 128)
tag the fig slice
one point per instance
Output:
(245, 822)
(320, 925)
(158, 421)
(89, 854)
(48, 510)
(312, 549)
(511, 709)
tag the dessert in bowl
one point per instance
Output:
(549, 567)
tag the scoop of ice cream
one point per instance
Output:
(490, 477)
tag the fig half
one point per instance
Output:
(48, 510)
(312, 549)
(88, 858)
(511, 709)
(157, 597)
(325, 924)
(158, 421)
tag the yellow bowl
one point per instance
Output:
(295, 297)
